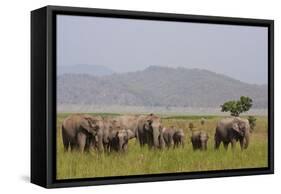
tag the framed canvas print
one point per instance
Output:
(126, 96)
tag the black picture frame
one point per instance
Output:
(43, 95)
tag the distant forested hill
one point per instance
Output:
(157, 86)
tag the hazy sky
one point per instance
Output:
(125, 45)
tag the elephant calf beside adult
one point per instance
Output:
(231, 130)
(115, 133)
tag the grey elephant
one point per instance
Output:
(78, 131)
(173, 137)
(149, 131)
(199, 140)
(168, 136)
(109, 125)
(231, 130)
(118, 140)
(178, 138)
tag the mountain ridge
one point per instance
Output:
(158, 86)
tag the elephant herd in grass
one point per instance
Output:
(83, 132)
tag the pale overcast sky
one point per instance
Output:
(125, 45)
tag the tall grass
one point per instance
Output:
(138, 160)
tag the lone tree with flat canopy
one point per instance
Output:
(236, 107)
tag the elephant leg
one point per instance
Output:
(137, 136)
(88, 144)
(242, 144)
(225, 145)
(105, 147)
(166, 142)
(176, 144)
(100, 142)
(81, 141)
(65, 145)
(172, 141)
(217, 144)
(199, 146)
(125, 147)
(109, 146)
(233, 144)
(141, 140)
(65, 141)
(194, 146)
(73, 146)
(148, 141)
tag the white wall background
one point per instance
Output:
(15, 94)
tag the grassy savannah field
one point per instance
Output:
(137, 161)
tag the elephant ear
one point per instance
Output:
(235, 127)
(130, 134)
(239, 127)
(86, 125)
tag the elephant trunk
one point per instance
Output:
(99, 140)
(204, 145)
(247, 140)
(120, 145)
(161, 141)
(156, 137)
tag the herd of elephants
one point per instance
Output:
(83, 132)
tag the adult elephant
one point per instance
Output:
(79, 130)
(149, 131)
(128, 122)
(231, 130)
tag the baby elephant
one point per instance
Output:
(199, 140)
(178, 138)
(168, 134)
(118, 140)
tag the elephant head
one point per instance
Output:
(152, 127)
(94, 125)
(242, 127)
